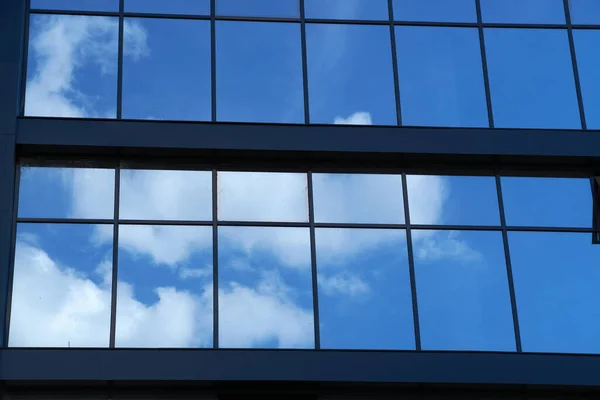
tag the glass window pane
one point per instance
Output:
(265, 288)
(585, 11)
(165, 195)
(350, 74)
(156, 87)
(435, 10)
(365, 300)
(72, 66)
(62, 286)
(262, 196)
(556, 282)
(195, 7)
(76, 5)
(165, 286)
(66, 193)
(558, 202)
(586, 48)
(531, 78)
(358, 198)
(344, 9)
(441, 78)
(463, 200)
(259, 8)
(462, 289)
(523, 11)
(259, 72)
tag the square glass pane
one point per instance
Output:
(76, 5)
(365, 298)
(262, 196)
(165, 195)
(259, 72)
(441, 77)
(585, 11)
(62, 286)
(523, 11)
(72, 66)
(556, 283)
(259, 8)
(531, 78)
(556, 202)
(586, 48)
(165, 291)
(66, 193)
(350, 74)
(156, 87)
(265, 288)
(194, 7)
(465, 200)
(435, 10)
(462, 291)
(345, 9)
(358, 198)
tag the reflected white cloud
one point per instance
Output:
(439, 245)
(358, 118)
(344, 283)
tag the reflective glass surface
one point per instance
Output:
(76, 5)
(462, 291)
(556, 282)
(347, 9)
(350, 74)
(62, 286)
(259, 72)
(435, 10)
(364, 289)
(259, 8)
(197, 7)
(586, 48)
(531, 78)
(585, 11)
(523, 11)
(265, 288)
(154, 87)
(441, 78)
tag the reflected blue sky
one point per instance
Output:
(196, 7)
(435, 10)
(347, 9)
(523, 11)
(584, 11)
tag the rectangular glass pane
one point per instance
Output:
(462, 291)
(461, 200)
(165, 195)
(259, 72)
(262, 196)
(259, 8)
(556, 282)
(344, 9)
(62, 286)
(72, 66)
(441, 78)
(435, 10)
(523, 11)
(350, 74)
(585, 11)
(358, 198)
(165, 288)
(66, 193)
(365, 300)
(195, 7)
(76, 5)
(586, 48)
(557, 202)
(265, 288)
(170, 77)
(531, 78)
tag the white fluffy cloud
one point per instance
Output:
(358, 118)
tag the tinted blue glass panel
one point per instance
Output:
(259, 8)
(435, 10)
(559, 202)
(259, 72)
(165, 286)
(465, 200)
(265, 288)
(586, 48)
(72, 66)
(350, 74)
(441, 78)
(66, 193)
(347, 9)
(76, 5)
(531, 78)
(62, 286)
(556, 282)
(523, 11)
(462, 290)
(156, 87)
(364, 289)
(585, 11)
(196, 7)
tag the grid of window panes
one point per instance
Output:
(134, 257)
(448, 63)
